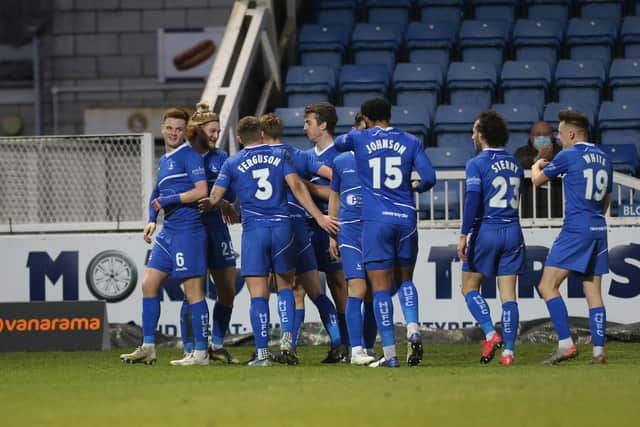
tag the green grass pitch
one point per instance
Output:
(450, 389)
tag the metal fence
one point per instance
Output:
(75, 183)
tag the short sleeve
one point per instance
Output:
(473, 179)
(287, 164)
(335, 178)
(225, 176)
(195, 167)
(558, 166)
(344, 142)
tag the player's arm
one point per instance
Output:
(299, 189)
(606, 203)
(472, 201)
(198, 192)
(334, 210)
(426, 171)
(150, 228)
(215, 199)
(317, 190)
(538, 177)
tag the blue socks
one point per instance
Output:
(329, 318)
(150, 316)
(200, 324)
(286, 309)
(260, 322)
(559, 317)
(186, 332)
(408, 296)
(480, 311)
(369, 327)
(221, 320)
(383, 310)
(598, 325)
(510, 320)
(354, 321)
(298, 320)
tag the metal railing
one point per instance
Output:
(447, 212)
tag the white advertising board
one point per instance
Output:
(76, 266)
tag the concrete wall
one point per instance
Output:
(111, 42)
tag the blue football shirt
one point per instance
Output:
(347, 183)
(306, 166)
(588, 178)
(385, 159)
(325, 157)
(499, 178)
(257, 175)
(178, 171)
(213, 161)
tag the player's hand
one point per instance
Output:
(462, 247)
(335, 250)
(414, 184)
(229, 214)
(204, 205)
(329, 224)
(149, 229)
(541, 163)
(156, 205)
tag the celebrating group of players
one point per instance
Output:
(346, 207)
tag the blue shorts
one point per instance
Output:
(220, 252)
(305, 256)
(267, 246)
(573, 252)
(350, 243)
(320, 242)
(496, 250)
(385, 244)
(180, 253)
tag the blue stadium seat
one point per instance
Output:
(440, 203)
(592, 39)
(624, 80)
(483, 41)
(323, 44)
(519, 120)
(450, 158)
(346, 118)
(623, 157)
(358, 83)
(293, 121)
(557, 10)
(336, 11)
(630, 35)
(501, 10)
(526, 82)
(538, 40)
(453, 125)
(389, 11)
(376, 44)
(619, 123)
(470, 83)
(305, 85)
(431, 43)
(414, 119)
(552, 109)
(450, 11)
(580, 81)
(601, 9)
(418, 84)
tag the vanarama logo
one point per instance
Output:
(54, 324)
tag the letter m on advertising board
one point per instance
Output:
(65, 266)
